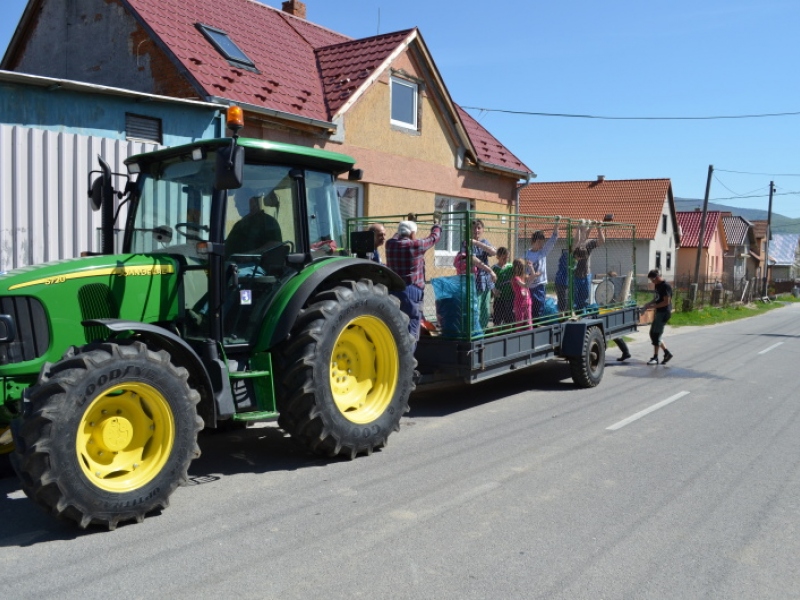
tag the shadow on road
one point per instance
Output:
(550, 376)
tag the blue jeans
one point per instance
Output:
(538, 298)
(411, 304)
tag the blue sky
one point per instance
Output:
(618, 58)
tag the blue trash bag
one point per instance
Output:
(550, 307)
(451, 302)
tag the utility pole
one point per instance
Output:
(769, 235)
(702, 233)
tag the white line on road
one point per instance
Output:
(646, 411)
(765, 350)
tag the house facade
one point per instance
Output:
(648, 204)
(784, 252)
(713, 246)
(740, 239)
(51, 134)
(380, 99)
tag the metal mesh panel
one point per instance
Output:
(543, 270)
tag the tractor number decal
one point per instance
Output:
(140, 271)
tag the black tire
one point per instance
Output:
(587, 369)
(345, 375)
(107, 434)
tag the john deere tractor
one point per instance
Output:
(231, 301)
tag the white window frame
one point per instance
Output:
(414, 124)
(448, 245)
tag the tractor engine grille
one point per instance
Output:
(33, 332)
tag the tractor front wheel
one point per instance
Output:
(107, 434)
(346, 373)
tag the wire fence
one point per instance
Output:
(496, 273)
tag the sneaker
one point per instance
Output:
(667, 357)
(653, 361)
(625, 356)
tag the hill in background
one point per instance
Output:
(780, 224)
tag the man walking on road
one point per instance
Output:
(662, 303)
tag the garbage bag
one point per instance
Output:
(454, 315)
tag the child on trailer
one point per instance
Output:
(521, 276)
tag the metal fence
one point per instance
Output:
(44, 208)
(484, 282)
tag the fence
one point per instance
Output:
(723, 290)
(486, 281)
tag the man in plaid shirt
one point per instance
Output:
(405, 255)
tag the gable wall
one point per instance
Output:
(98, 41)
(404, 170)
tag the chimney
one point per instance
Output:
(295, 7)
(601, 178)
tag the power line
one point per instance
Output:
(608, 118)
(765, 174)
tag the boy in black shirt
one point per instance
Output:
(662, 302)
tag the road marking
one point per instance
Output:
(646, 411)
(765, 350)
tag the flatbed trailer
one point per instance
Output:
(441, 360)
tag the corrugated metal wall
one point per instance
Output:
(45, 213)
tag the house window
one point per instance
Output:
(404, 103)
(351, 199)
(226, 46)
(669, 261)
(138, 127)
(663, 223)
(658, 260)
(454, 226)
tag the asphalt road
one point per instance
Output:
(678, 481)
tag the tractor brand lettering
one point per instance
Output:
(135, 501)
(137, 271)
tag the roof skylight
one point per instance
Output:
(226, 46)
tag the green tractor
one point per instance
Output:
(232, 301)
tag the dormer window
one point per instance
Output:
(404, 103)
(226, 46)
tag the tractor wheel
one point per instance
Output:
(107, 434)
(587, 369)
(346, 372)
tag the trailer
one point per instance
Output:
(465, 339)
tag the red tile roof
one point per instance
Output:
(303, 69)
(639, 202)
(489, 150)
(345, 67)
(690, 222)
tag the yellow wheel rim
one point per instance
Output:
(125, 437)
(9, 447)
(364, 369)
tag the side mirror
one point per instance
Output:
(96, 194)
(229, 172)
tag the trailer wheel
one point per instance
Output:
(587, 369)
(345, 375)
(107, 434)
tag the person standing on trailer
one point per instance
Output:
(536, 255)
(405, 255)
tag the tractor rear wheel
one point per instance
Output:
(587, 369)
(346, 372)
(107, 434)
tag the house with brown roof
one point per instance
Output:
(712, 248)
(757, 263)
(648, 204)
(379, 99)
(740, 239)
